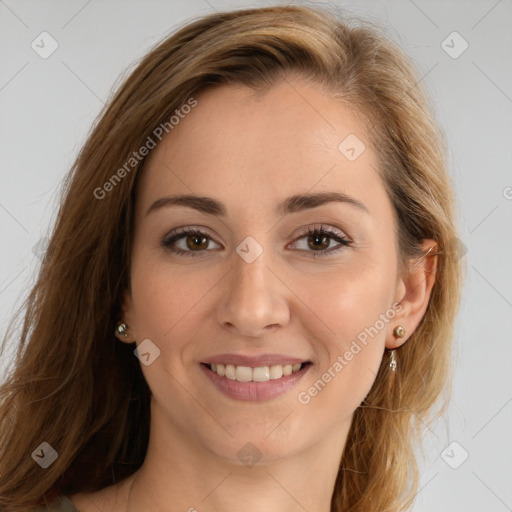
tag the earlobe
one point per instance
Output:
(413, 295)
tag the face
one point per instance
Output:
(254, 281)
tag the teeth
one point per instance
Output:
(276, 371)
(259, 374)
(230, 372)
(243, 374)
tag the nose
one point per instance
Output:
(253, 299)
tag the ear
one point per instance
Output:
(413, 293)
(127, 317)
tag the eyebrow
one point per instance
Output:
(293, 204)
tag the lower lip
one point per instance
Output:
(255, 391)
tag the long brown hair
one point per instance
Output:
(74, 386)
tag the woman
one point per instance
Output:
(249, 293)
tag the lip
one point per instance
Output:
(253, 361)
(255, 391)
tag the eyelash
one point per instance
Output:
(311, 231)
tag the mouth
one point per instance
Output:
(257, 374)
(258, 382)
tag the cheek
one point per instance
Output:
(349, 302)
(165, 306)
(171, 308)
(166, 298)
(356, 310)
(350, 357)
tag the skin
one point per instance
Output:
(250, 154)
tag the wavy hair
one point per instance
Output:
(73, 385)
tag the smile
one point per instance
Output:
(254, 383)
(258, 374)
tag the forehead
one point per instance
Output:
(245, 144)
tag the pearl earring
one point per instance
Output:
(399, 331)
(122, 330)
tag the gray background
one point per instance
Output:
(48, 105)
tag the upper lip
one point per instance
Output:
(253, 361)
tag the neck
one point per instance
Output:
(180, 474)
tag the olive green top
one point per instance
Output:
(61, 504)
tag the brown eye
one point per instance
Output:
(195, 242)
(318, 240)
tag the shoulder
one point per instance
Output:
(111, 499)
(60, 504)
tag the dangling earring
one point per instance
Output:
(392, 362)
(399, 331)
(122, 330)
